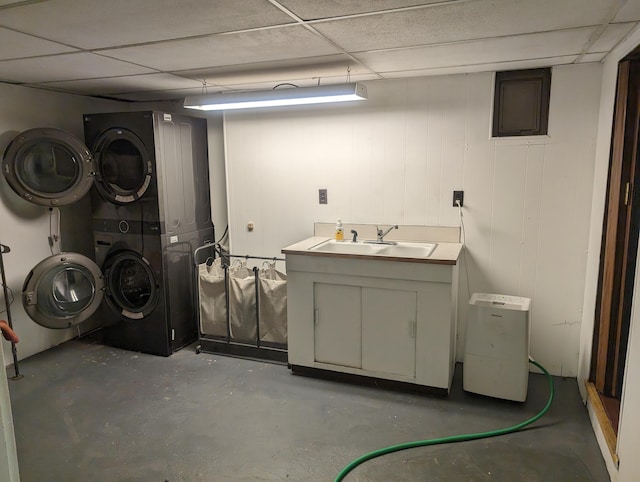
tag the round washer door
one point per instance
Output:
(123, 166)
(48, 167)
(132, 288)
(63, 290)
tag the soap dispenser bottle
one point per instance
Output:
(339, 231)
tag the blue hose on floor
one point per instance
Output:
(453, 438)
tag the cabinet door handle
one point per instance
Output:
(412, 329)
(316, 316)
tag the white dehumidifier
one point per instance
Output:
(496, 353)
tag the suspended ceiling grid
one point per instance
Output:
(159, 49)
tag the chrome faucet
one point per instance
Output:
(355, 236)
(381, 234)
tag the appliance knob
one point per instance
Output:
(123, 227)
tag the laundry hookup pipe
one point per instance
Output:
(453, 438)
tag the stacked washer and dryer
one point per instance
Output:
(149, 181)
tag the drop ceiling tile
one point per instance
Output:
(461, 21)
(309, 10)
(233, 49)
(630, 12)
(124, 84)
(522, 47)
(312, 68)
(14, 45)
(99, 23)
(597, 57)
(159, 95)
(65, 67)
(611, 36)
(489, 67)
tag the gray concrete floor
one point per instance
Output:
(87, 412)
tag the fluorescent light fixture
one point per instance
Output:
(278, 97)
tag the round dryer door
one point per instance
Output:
(132, 288)
(123, 166)
(63, 290)
(48, 167)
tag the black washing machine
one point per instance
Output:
(150, 166)
(150, 302)
(142, 289)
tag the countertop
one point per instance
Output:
(444, 253)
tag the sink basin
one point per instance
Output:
(409, 250)
(347, 247)
(400, 250)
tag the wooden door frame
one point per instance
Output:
(620, 236)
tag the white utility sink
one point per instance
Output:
(409, 250)
(400, 250)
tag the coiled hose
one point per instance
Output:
(453, 438)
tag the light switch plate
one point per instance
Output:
(322, 195)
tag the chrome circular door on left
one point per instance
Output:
(48, 167)
(63, 290)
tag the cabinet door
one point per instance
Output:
(389, 331)
(338, 325)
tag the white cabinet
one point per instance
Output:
(389, 331)
(369, 328)
(338, 323)
(383, 319)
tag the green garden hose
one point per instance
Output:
(453, 438)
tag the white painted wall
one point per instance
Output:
(629, 427)
(397, 157)
(217, 174)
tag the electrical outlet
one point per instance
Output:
(322, 194)
(458, 196)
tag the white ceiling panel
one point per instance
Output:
(312, 9)
(630, 12)
(125, 84)
(91, 24)
(461, 21)
(177, 94)
(234, 49)
(497, 67)
(279, 71)
(611, 36)
(15, 45)
(65, 67)
(522, 47)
